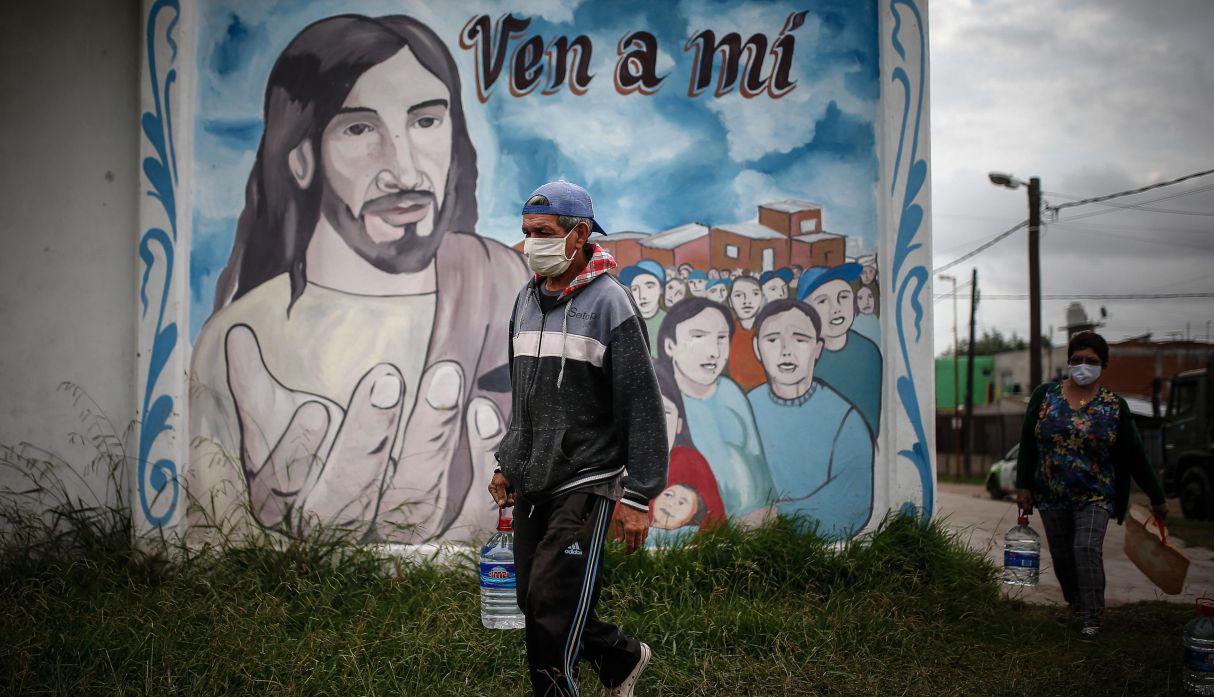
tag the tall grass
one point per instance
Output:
(777, 610)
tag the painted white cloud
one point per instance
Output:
(628, 134)
(762, 126)
(846, 209)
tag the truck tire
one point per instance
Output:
(1195, 493)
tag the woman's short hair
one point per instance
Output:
(1089, 340)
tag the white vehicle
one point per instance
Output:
(1001, 482)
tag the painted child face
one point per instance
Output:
(775, 289)
(673, 423)
(865, 302)
(697, 286)
(701, 347)
(675, 507)
(745, 299)
(868, 274)
(788, 347)
(835, 305)
(675, 290)
(718, 292)
(645, 290)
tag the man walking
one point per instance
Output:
(587, 429)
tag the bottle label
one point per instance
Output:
(1198, 660)
(498, 574)
(1024, 560)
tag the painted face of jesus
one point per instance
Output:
(675, 507)
(701, 347)
(645, 290)
(835, 305)
(788, 348)
(384, 158)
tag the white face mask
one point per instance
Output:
(1084, 374)
(546, 255)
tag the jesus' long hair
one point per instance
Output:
(307, 86)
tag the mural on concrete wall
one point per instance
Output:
(356, 183)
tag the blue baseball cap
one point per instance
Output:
(641, 268)
(565, 198)
(815, 276)
(697, 275)
(712, 283)
(782, 273)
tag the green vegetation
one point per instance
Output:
(772, 611)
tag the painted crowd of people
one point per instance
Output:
(771, 385)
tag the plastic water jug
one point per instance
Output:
(1198, 674)
(499, 604)
(1021, 554)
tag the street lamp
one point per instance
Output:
(1034, 187)
(956, 372)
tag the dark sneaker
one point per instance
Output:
(624, 689)
(1089, 632)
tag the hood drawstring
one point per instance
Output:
(564, 339)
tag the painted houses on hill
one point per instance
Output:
(787, 233)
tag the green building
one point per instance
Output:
(984, 384)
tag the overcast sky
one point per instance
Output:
(1093, 96)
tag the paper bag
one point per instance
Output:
(1165, 565)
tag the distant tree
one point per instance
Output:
(993, 341)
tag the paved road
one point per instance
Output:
(982, 523)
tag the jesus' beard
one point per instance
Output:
(409, 253)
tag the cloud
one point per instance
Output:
(631, 134)
(1102, 95)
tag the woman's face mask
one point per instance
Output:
(546, 255)
(1084, 374)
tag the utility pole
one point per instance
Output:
(1034, 283)
(967, 425)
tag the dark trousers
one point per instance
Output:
(558, 557)
(1077, 548)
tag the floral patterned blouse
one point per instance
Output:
(1075, 448)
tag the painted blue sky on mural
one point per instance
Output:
(651, 162)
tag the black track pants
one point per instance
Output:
(558, 556)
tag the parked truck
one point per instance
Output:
(1188, 442)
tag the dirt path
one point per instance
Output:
(982, 523)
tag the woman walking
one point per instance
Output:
(1079, 449)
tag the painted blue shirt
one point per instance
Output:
(820, 454)
(868, 326)
(855, 372)
(724, 431)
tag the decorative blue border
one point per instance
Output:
(914, 279)
(161, 174)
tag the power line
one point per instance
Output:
(1142, 205)
(982, 247)
(1130, 192)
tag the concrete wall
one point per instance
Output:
(68, 197)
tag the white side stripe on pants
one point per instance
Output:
(583, 603)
